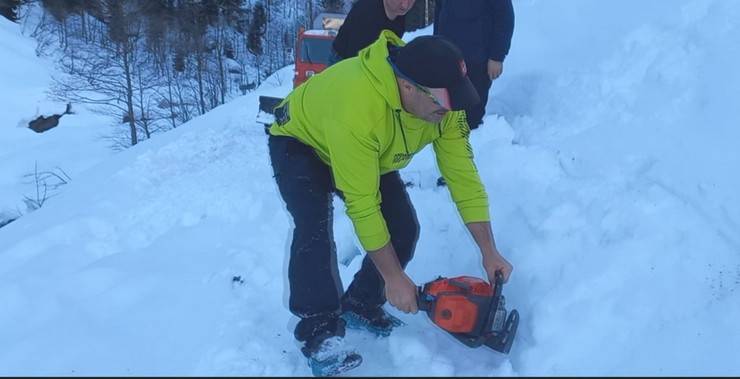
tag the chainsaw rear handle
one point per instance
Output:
(499, 284)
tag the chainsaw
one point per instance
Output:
(471, 310)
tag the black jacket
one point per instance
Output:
(363, 25)
(482, 29)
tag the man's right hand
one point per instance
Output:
(401, 292)
(495, 68)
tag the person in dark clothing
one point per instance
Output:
(482, 29)
(365, 21)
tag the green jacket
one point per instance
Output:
(351, 115)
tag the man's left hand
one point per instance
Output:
(495, 68)
(493, 263)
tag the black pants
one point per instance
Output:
(478, 74)
(307, 187)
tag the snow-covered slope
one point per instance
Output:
(610, 160)
(70, 148)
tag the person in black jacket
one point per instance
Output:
(482, 29)
(365, 21)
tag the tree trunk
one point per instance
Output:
(142, 109)
(199, 75)
(83, 26)
(220, 60)
(309, 16)
(129, 93)
(170, 100)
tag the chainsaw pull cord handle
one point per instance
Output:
(422, 302)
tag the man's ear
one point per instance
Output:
(405, 85)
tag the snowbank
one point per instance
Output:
(608, 154)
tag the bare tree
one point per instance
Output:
(112, 73)
(257, 30)
(153, 64)
(47, 184)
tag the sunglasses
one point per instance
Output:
(439, 96)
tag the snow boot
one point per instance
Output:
(374, 320)
(332, 357)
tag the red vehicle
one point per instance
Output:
(312, 54)
(313, 47)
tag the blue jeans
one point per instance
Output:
(307, 187)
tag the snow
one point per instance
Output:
(75, 145)
(314, 32)
(609, 154)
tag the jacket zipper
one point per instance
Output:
(403, 134)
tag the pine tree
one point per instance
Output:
(57, 9)
(334, 6)
(257, 29)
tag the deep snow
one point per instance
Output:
(609, 154)
(76, 144)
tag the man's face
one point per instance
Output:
(396, 8)
(421, 102)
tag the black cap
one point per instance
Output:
(435, 62)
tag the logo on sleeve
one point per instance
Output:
(282, 114)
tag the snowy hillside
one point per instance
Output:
(610, 157)
(72, 147)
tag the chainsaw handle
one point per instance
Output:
(499, 285)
